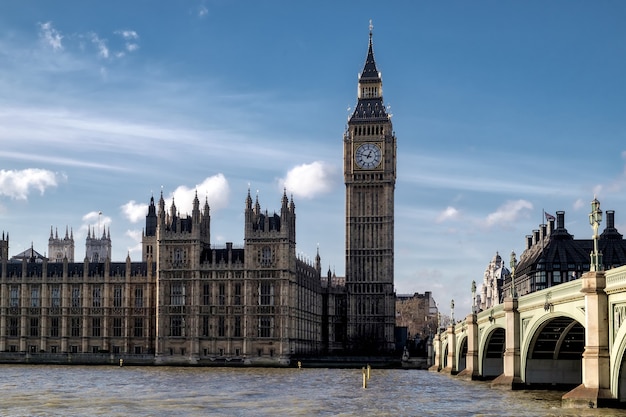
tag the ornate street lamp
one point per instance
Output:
(452, 312)
(595, 218)
(474, 297)
(513, 264)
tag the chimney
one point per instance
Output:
(529, 241)
(610, 219)
(560, 220)
(551, 225)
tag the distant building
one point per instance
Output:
(61, 248)
(418, 313)
(552, 255)
(98, 248)
(29, 255)
(493, 279)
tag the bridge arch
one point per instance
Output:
(491, 353)
(461, 358)
(552, 351)
(618, 365)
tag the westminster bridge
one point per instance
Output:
(566, 335)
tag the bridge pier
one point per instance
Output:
(451, 367)
(596, 386)
(436, 367)
(511, 377)
(471, 370)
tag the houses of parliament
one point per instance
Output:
(191, 302)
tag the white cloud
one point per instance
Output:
(202, 11)
(136, 236)
(510, 212)
(51, 36)
(215, 189)
(129, 36)
(450, 213)
(17, 184)
(578, 204)
(103, 50)
(134, 211)
(597, 190)
(309, 180)
(95, 222)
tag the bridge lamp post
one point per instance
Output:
(474, 309)
(513, 264)
(452, 312)
(595, 218)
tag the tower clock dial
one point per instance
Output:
(368, 156)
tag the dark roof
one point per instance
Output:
(369, 109)
(370, 72)
(558, 249)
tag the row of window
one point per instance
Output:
(178, 294)
(75, 327)
(265, 327)
(75, 300)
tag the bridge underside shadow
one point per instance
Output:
(492, 362)
(555, 354)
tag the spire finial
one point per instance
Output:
(371, 27)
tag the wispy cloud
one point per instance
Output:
(101, 45)
(130, 40)
(50, 36)
(450, 213)
(310, 180)
(94, 221)
(78, 42)
(18, 184)
(56, 160)
(135, 236)
(509, 212)
(134, 211)
(214, 189)
(202, 11)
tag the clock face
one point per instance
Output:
(368, 156)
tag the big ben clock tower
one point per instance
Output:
(369, 149)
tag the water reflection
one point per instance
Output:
(165, 391)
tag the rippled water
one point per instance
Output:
(168, 391)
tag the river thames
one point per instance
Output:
(167, 391)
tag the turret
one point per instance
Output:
(4, 248)
(161, 214)
(151, 219)
(195, 212)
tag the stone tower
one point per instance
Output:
(148, 241)
(4, 248)
(270, 251)
(98, 249)
(58, 249)
(369, 148)
(180, 244)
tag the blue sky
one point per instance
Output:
(502, 109)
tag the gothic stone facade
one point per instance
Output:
(187, 302)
